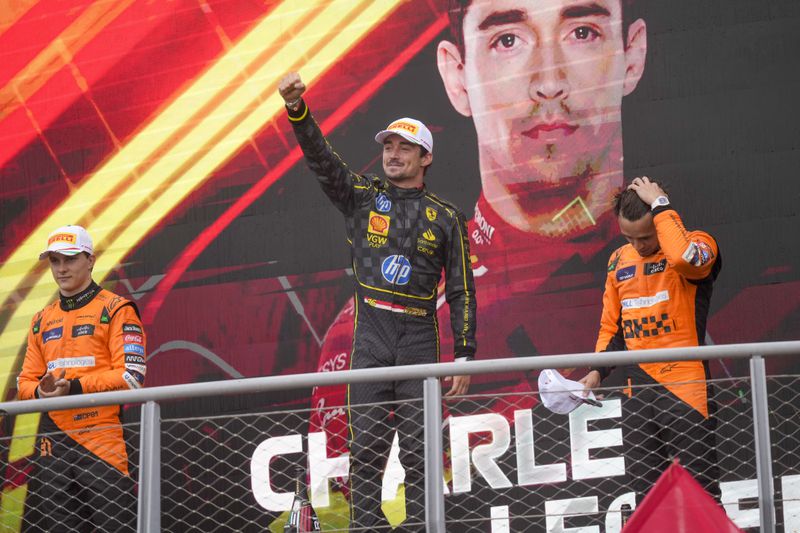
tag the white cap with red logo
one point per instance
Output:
(411, 130)
(68, 240)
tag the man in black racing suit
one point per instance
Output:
(401, 238)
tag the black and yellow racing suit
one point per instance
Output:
(400, 240)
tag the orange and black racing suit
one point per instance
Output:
(400, 240)
(82, 467)
(662, 301)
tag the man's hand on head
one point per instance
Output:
(646, 189)
(291, 89)
(53, 385)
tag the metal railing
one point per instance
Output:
(151, 443)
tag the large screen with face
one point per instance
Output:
(159, 128)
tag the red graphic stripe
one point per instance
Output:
(204, 239)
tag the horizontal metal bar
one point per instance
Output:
(299, 381)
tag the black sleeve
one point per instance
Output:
(460, 289)
(616, 344)
(344, 187)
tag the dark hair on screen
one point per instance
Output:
(457, 10)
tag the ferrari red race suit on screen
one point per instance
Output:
(400, 240)
(662, 301)
(98, 339)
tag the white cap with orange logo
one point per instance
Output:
(411, 130)
(68, 240)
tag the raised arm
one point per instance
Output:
(344, 187)
(694, 255)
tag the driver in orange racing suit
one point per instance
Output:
(89, 340)
(657, 294)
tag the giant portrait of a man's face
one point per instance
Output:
(543, 81)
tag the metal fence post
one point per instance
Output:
(149, 511)
(766, 493)
(434, 469)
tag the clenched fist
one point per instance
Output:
(291, 88)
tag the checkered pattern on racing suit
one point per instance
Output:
(400, 240)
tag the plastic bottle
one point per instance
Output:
(302, 518)
(625, 513)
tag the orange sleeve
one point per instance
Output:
(127, 347)
(34, 365)
(610, 337)
(691, 254)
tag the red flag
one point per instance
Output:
(677, 503)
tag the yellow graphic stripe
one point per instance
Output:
(153, 172)
(123, 168)
(122, 223)
(578, 200)
(25, 426)
(221, 135)
(13, 10)
(58, 53)
(12, 507)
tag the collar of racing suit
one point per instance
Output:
(404, 193)
(68, 303)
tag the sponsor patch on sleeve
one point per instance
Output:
(132, 337)
(136, 349)
(698, 254)
(706, 253)
(134, 359)
(133, 381)
(131, 328)
(141, 369)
